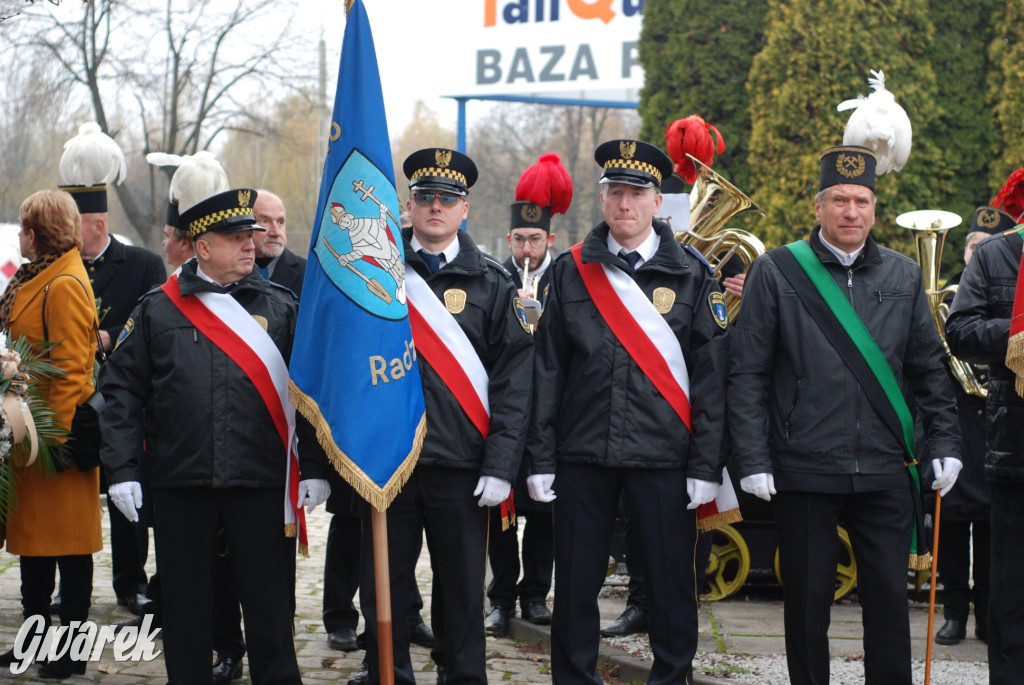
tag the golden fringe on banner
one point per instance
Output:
(718, 520)
(920, 562)
(379, 498)
(1015, 361)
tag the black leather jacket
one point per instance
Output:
(505, 348)
(797, 411)
(978, 331)
(593, 404)
(205, 424)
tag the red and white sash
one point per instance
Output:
(444, 345)
(644, 332)
(234, 332)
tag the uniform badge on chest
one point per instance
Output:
(455, 300)
(261, 320)
(663, 299)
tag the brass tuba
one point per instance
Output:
(930, 227)
(714, 202)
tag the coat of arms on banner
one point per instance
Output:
(359, 244)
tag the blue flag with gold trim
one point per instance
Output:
(353, 367)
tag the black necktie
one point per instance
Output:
(433, 261)
(631, 258)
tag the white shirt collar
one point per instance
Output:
(450, 252)
(103, 251)
(202, 275)
(646, 249)
(845, 258)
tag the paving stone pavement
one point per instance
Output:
(507, 659)
(748, 625)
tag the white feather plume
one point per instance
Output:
(92, 158)
(879, 123)
(198, 177)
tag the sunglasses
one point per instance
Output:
(427, 199)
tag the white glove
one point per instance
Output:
(313, 492)
(540, 485)
(759, 485)
(946, 470)
(127, 497)
(700, 492)
(494, 490)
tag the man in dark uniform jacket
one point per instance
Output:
(274, 260)
(120, 274)
(978, 331)
(804, 424)
(965, 511)
(610, 418)
(541, 186)
(227, 470)
(461, 471)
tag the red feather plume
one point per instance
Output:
(547, 184)
(1010, 198)
(691, 136)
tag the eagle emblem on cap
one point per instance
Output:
(443, 158)
(627, 149)
(850, 166)
(988, 218)
(243, 198)
(531, 213)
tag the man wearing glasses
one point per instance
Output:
(529, 242)
(474, 356)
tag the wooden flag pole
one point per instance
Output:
(382, 578)
(931, 591)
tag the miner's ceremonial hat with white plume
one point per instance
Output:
(90, 161)
(197, 177)
(544, 189)
(880, 124)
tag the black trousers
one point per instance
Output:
(1006, 601)
(667, 533)
(440, 502)
(879, 524)
(38, 580)
(129, 547)
(186, 522)
(954, 565)
(342, 561)
(538, 559)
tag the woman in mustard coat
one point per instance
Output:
(56, 520)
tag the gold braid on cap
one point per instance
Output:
(634, 165)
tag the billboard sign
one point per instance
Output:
(585, 49)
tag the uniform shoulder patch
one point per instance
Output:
(517, 305)
(716, 301)
(129, 326)
(700, 258)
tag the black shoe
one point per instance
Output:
(421, 634)
(633, 620)
(62, 668)
(536, 612)
(137, 603)
(952, 632)
(497, 620)
(226, 669)
(362, 676)
(343, 640)
(137, 623)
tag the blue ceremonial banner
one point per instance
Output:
(353, 366)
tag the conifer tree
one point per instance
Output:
(1006, 91)
(696, 56)
(817, 55)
